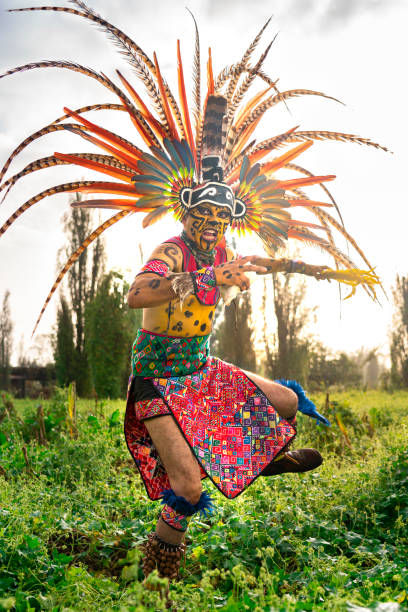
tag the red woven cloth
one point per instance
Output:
(228, 422)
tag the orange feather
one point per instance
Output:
(303, 182)
(154, 123)
(96, 129)
(99, 167)
(130, 161)
(106, 187)
(243, 114)
(282, 160)
(210, 76)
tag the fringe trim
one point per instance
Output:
(305, 405)
(204, 506)
(182, 284)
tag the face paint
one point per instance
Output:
(206, 224)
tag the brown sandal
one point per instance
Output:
(301, 460)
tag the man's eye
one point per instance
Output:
(203, 211)
(224, 215)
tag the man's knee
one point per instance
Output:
(189, 488)
(288, 402)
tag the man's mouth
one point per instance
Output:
(209, 235)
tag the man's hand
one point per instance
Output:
(234, 272)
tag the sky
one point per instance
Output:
(354, 50)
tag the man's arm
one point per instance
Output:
(153, 289)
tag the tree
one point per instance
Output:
(290, 357)
(327, 369)
(6, 341)
(399, 334)
(64, 351)
(232, 339)
(81, 281)
(110, 328)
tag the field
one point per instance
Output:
(73, 513)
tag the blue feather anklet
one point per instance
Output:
(204, 506)
(305, 405)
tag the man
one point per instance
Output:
(164, 315)
(180, 399)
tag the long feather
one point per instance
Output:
(241, 66)
(72, 259)
(93, 107)
(120, 155)
(303, 182)
(184, 106)
(51, 160)
(154, 124)
(278, 162)
(285, 95)
(65, 187)
(48, 129)
(169, 117)
(122, 175)
(339, 136)
(197, 82)
(301, 170)
(130, 150)
(234, 103)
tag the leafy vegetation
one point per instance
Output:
(73, 514)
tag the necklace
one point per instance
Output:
(203, 258)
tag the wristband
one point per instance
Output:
(205, 286)
(296, 266)
(155, 266)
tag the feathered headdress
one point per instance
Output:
(184, 161)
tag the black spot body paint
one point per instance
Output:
(154, 284)
(178, 326)
(188, 314)
(170, 309)
(203, 326)
(210, 316)
(196, 322)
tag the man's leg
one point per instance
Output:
(284, 400)
(181, 467)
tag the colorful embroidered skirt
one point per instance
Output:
(230, 425)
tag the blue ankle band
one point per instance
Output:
(305, 405)
(204, 505)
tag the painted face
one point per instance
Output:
(206, 224)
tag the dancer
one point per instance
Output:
(188, 414)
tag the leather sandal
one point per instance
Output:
(300, 460)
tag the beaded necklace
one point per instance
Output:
(203, 258)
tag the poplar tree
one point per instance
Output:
(288, 357)
(399, 334)
(110, 328)
(81, 283)
(6, 341)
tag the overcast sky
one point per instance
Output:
(354, 50)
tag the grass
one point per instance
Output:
(73, 513)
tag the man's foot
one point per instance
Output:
(301, 460)
(164, 557)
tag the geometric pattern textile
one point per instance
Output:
(205, 288)
(162, 355)
(174, 519)
(155, 266)
(228, 422)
